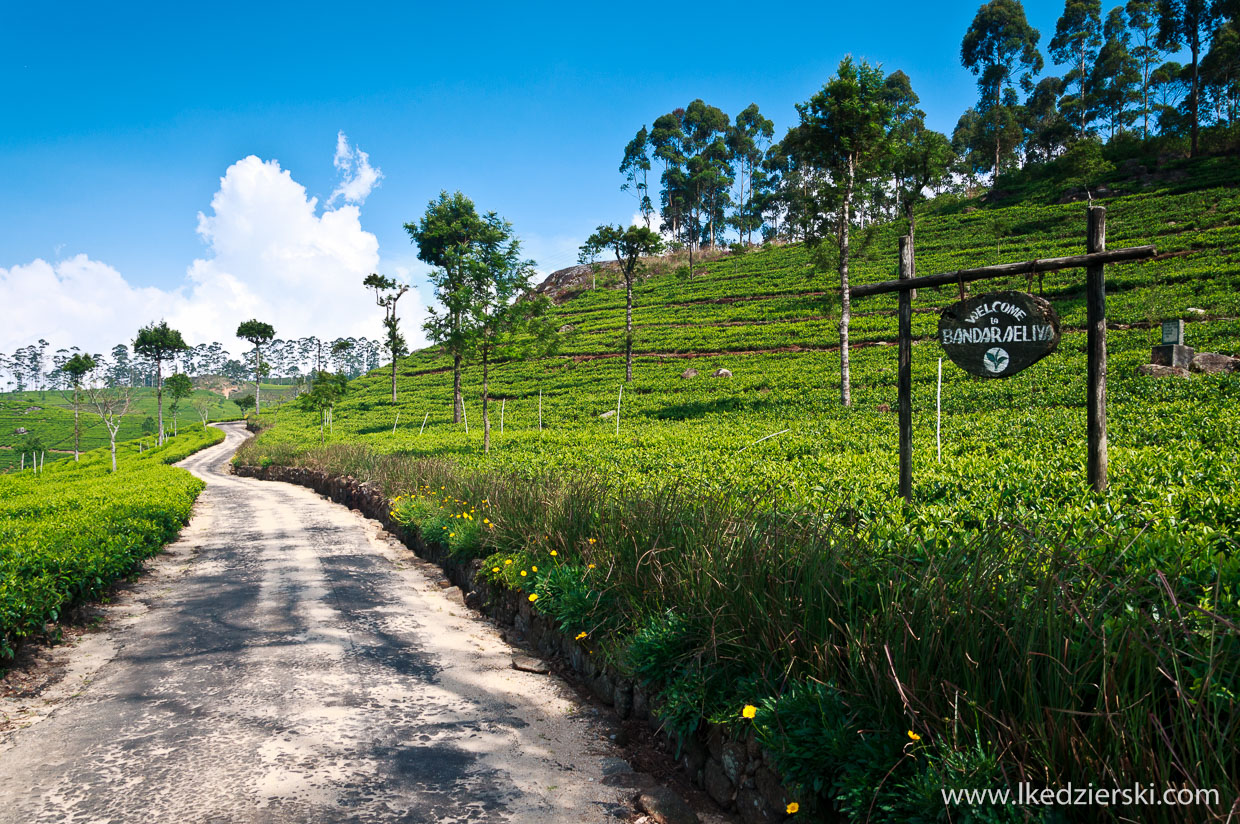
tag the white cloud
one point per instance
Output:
(271, 255)
(358, 177)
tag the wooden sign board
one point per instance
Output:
(999, 334)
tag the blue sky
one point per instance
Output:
(119, 124)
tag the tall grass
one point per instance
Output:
(1012, 659)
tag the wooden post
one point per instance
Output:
(905, 380)
(1096, 320)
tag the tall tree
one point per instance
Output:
(179, 388)
(111, 404)
(1116, 76)
(1046, 131)
(1078, 34)
(1220, 70)
(1189, 23)
(449, 237)
(999, 44)
(257, 333)
(636, 170)
(1143, 22)
(920, 158)
(748, 141)
(710, 171)
(159, 342)
(844, 132)
(77, 367)
(387, 292)
(629, 246)
(667, 138)
(502, 309)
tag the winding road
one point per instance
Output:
(286, 661)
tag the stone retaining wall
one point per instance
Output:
(737, 774)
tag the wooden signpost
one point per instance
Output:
(1019, 349)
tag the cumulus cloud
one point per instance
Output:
(358, 177)
(271, 254)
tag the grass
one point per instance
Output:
(1024, 627)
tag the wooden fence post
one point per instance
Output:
(905, 380)
(1096, 320)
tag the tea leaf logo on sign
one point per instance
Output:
(999, 334)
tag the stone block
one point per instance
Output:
(1172, 354)
(1153, 370)
(718, 786)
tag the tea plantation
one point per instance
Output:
(69, 532)
(1009, 625)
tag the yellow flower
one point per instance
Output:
(580, 635)
(533, 596)
(554, 553)
(914, 736)
(508, 562)
(534, 568)
(793, 807)
(750, 711)
(451, 534)
(486, 520)
(523, 573)
(591, 540)
(495, 569)
(591, 566)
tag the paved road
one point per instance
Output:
(287, 663)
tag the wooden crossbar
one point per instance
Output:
(1025, 267)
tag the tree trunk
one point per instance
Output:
(258, 380)
(486, 418)
(112, 439)
(393, 376)
(159, 399)
(845, 297)
(628, 323)
(76, 431)
(457, 402)
(1195, 99)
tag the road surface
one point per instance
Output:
(286, 662)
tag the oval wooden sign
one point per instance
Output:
(999, 334)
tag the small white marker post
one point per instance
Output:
(619, 398)
(395, 422)
(424, 417)
(938, 415)
(465, 417)
(502, 404)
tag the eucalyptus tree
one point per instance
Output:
(629, 245)
(920, 158)
(1220, 69)
(179, 388)
(257, 333)
(1189, 23)
(502, 312)
(844, 132)
(1046, 131)
(667, 139)
(1078, 36)
(387, 292)
(1001, 48)
(1116, 76)
(449, 237)
(76, 368)
(158, 342)
(111, 404)
(748, 141)
(1143, 22)
(636, 170)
